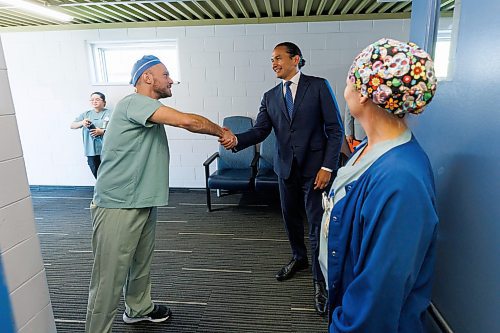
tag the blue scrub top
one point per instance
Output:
(93, 146)
(381, 246)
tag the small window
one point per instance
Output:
(442, 53)
(446, 44)
(112, 61)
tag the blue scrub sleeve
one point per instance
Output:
(80, 117)
(399, 222)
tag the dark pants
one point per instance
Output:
(297, 194)
(94, 162)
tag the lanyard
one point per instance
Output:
(327, 203)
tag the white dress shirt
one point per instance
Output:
(293, 86)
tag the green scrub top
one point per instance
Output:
(135, 157)
(93, 146)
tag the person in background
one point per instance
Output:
(132, 182)
(305, 117)
(378, 233)
(354, 132)
(93, 123)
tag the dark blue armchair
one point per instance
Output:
(235, 171)
(266, 178)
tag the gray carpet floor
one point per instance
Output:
(214, 270)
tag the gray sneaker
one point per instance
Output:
(160, 313)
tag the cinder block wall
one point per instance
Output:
(224, 71)
(19, 246)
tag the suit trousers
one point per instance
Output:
(297, 195)
(123, 244)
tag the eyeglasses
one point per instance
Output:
(95, 100)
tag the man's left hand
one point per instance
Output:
(322, 179)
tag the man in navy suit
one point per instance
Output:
(306, 120)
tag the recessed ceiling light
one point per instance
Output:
(37, 9)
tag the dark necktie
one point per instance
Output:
(289, 98)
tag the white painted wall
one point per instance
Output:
(224, 71)
(19, 245)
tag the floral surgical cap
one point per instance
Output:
(397, 76)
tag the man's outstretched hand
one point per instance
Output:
(228, 140)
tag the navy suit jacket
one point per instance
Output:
(314, 134)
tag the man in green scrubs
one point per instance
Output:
(132, 182)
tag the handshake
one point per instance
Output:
(228, 140)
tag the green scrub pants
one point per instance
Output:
(123, 244)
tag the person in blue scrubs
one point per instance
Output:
(378, 233)
(93, 123)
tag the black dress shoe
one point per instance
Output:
(320, 297)
(289, 269)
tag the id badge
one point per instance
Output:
(327, 203)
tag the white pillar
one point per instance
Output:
(23, 267)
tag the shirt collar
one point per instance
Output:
(294, 79)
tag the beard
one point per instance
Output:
(165, 94)
(162, 92)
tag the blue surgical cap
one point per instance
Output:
(141, 65)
